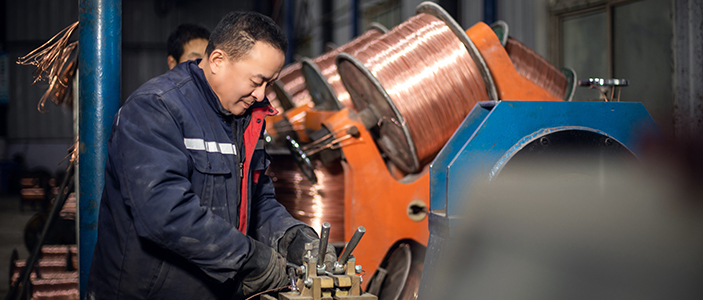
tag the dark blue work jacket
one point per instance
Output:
(172, 224)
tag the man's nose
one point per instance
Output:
(259, 93)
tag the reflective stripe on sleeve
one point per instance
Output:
(202, 145)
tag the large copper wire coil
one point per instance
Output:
(289, 90)
(534, 67)
(311, 203)
(420, 80)
(321, 77)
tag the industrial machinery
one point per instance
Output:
(316, 281)
(516, 138)
(383, 145)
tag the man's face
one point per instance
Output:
(193, 50)
(240, 83)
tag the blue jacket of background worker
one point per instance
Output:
(172, 182)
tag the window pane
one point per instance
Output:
(584, 49)
(642, 54)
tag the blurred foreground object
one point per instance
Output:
(632, 232)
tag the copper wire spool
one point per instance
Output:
(419, 80)
(321, 77)
(290, 89)
(311, 203)
(534, 67)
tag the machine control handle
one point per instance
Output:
(351, 245)
(324, 236)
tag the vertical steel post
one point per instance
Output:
(290, 30)
(100, 41)
(354, 7)
(489, 11)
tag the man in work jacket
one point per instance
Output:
(187, 211)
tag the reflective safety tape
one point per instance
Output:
(200, 144)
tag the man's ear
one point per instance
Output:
(172, 62)
(216, 60)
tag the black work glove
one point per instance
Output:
(292, 246)
(265, 270)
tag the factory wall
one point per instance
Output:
(661, 50)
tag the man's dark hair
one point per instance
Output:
(183, 34)
(238, 31)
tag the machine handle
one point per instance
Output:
(351, 245)
(324, 236)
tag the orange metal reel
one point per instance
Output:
(296, 116)
(509, 83)
(376, 200)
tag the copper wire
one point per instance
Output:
(55, 62)
(534, 67)
(430, 77)
(311, 203)
(293, 82)
(328, 68)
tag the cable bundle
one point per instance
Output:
(430, 78)
(328, 69)
(534, 67)
(311, 203)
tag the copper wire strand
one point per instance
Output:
(328, 68)
(334, 144)
(311, 203)
(534, 67)
(430, 77)
(56, 63)
(270, 290)
(326, 136)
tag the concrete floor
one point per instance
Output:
(12, 222)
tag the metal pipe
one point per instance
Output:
(351, 245)
(354, 7)
(290, 30)
(324, 236)
(100, 40)
(489, 11)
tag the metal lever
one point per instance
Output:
(324, 236)
(350, 247)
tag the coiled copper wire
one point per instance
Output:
(429, 75)
(311, 203)
(534, 67)
(328, 68)
(293, 82)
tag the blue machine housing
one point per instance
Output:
(494, 132)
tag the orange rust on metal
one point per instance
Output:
(509, 83)
(376, 200)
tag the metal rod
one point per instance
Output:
(99, 63)
(324, 236)
(291, 276)
(351, 245)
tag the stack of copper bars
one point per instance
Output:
(55, 275)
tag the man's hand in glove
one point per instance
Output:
(292, 246)
(265, 269)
